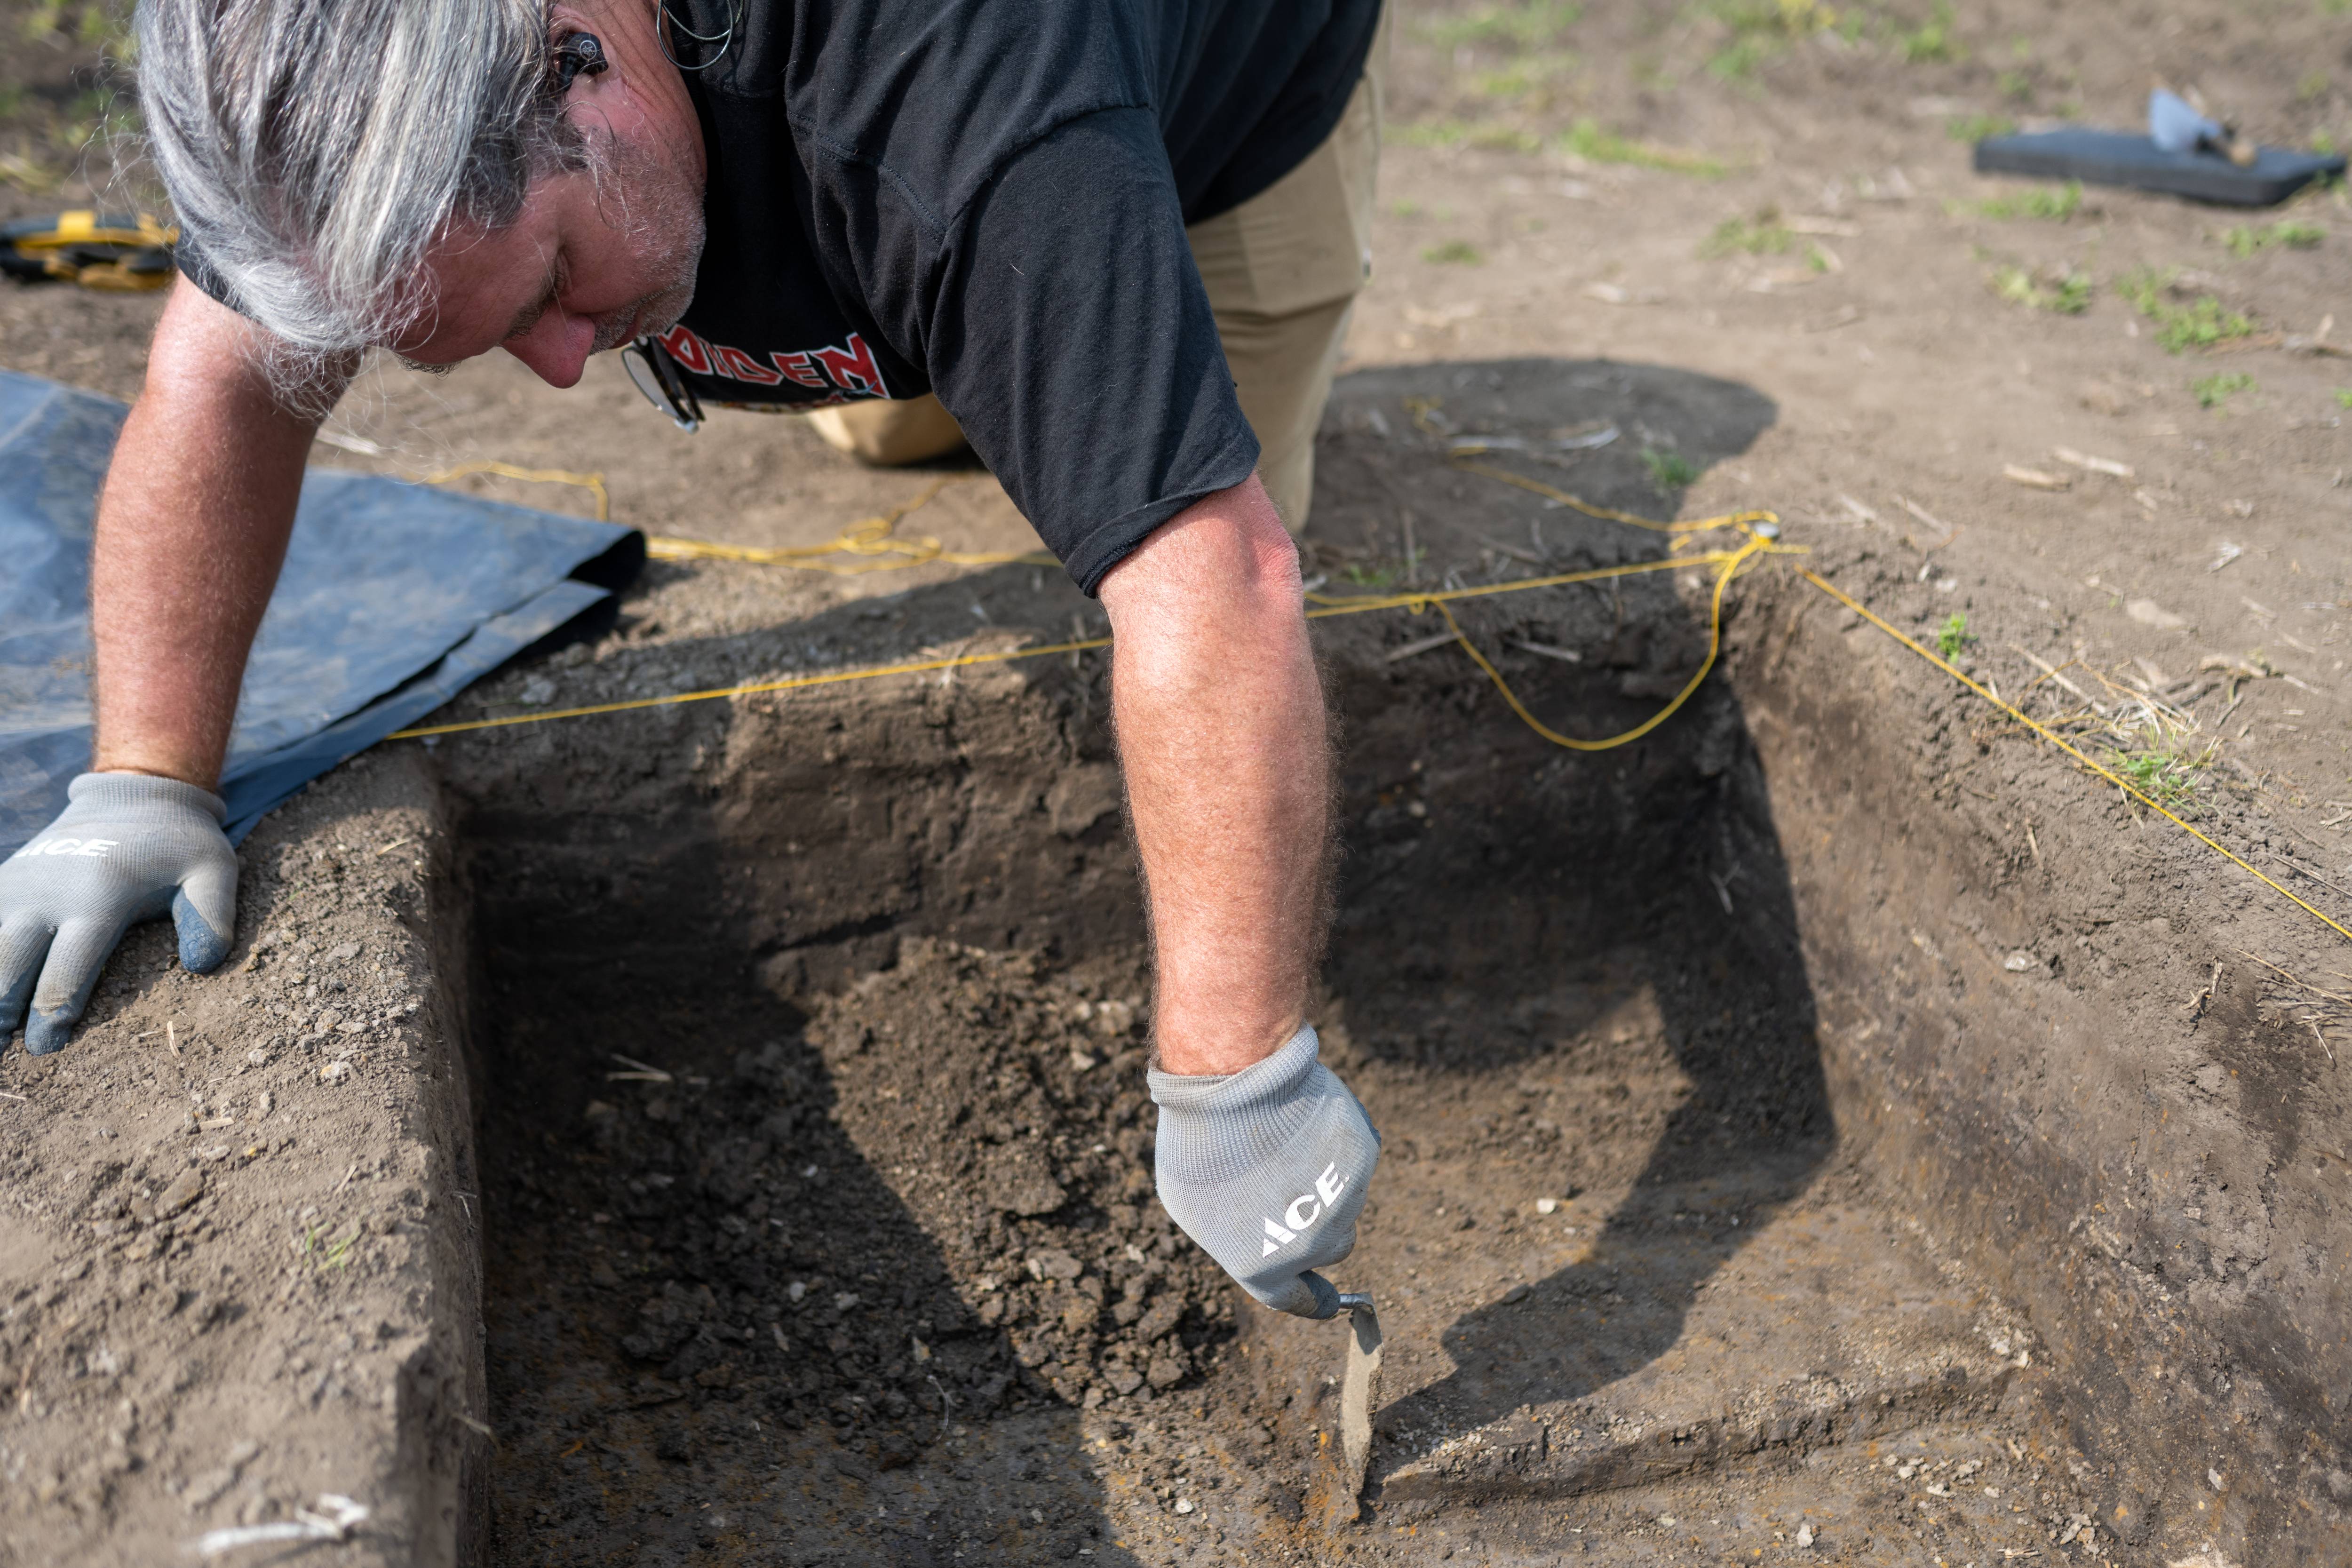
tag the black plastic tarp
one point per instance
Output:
(394, 598)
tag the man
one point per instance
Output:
(1076, 222)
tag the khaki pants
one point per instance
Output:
(1282, 271)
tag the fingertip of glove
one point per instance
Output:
(45, 1034)
(202, 949)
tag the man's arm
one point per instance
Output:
(1221, 733)
(192, 529)
(1263, 1155)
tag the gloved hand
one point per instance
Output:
(1266, 1168)
(128, 847)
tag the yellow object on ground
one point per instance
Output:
(116, 252)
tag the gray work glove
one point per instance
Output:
(1266, 1168)
(128, 847)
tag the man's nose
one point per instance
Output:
(556, 348)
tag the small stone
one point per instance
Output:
(1805, 1535)
(185, 1188)
(343, 954)
(1082, 1061)
(334, 1072)
(1166, 1371)
(1123, 1379)
(1053, 1264)
(1036, 1196)
(1546, 1205)
(844, 1300)
(1162, 1318)
(328, 1022)
(2020, 963)
(1183, 1505)
(2149, 613)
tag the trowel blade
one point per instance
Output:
(1359, 1396)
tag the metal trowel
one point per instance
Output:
(1359, 1395)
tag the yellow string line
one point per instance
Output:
(870, 536)
(2045, 733)
(1732, 562)
(959, 661)
(592, 483)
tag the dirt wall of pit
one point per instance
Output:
(2012, 967)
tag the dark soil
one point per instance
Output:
(924, 1206)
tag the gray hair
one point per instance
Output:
(314, 149)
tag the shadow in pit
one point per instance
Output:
(702, 1303)
(1562, 884)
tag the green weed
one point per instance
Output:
(2343, 397)
(1528, 77)
(2247, 240)
(2070, 295)
(1766, 236)
(2180, 327)
(2216, 390)
(1525, 26)
(1454, 253)
(1761, 29)
(1932, 40)
(1466, 133)
(323, 1254)
(1668, 470)
(1586, 140)
(2167, 777)
(2323, 143)
(1976, 127)
(1952, 638)
(2056, 205)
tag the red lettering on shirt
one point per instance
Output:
(798, 370)
(686, 348)
(737, 366)
(853, 368)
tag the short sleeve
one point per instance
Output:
(1070, 336)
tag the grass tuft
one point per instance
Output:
(1932, 40)
(2198, 324)
(2070, 296)
(1586, 140)
(2247, 240)
(1454, 253)
(1976, 127)
(1952, 638)
(2056, 205)
(1767, 236)
(2216, 390)
(1532, 26)
(1669, 470)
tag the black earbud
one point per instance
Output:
(577, 55)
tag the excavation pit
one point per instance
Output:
(761, 1172)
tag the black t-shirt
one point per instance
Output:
(987, 199)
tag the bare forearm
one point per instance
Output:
(192, 529)
(1222, 734)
